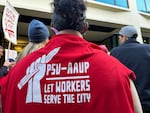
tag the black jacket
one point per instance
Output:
(3, 71)
(136, 56)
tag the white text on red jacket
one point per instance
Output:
(57, 89)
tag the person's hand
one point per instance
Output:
(9, 64)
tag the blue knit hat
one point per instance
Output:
(37, 31)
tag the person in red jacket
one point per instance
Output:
(69, 74)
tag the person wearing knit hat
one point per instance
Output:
(38, 35)
(37, 31)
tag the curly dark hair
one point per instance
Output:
(69, 14)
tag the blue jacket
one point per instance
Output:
(136, 56)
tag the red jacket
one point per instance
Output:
(68, 75)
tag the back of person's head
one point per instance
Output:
(37, 31)
(69, 14)
(128, 31)
(38, 35)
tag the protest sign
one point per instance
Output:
(9, 23)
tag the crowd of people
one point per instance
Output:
(71, 75)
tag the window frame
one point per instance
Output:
(115, 3)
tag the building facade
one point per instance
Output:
(105, 18)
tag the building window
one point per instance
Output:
(121, 3)
(111, 42)
(143, 5)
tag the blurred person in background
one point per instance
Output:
(38, 35)
(7, 65)
(136, 57)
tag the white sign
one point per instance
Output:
(9, 23)
(10, 54)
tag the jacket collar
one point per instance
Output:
(130, 40)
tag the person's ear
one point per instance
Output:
(54, 29)
(85, 27)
